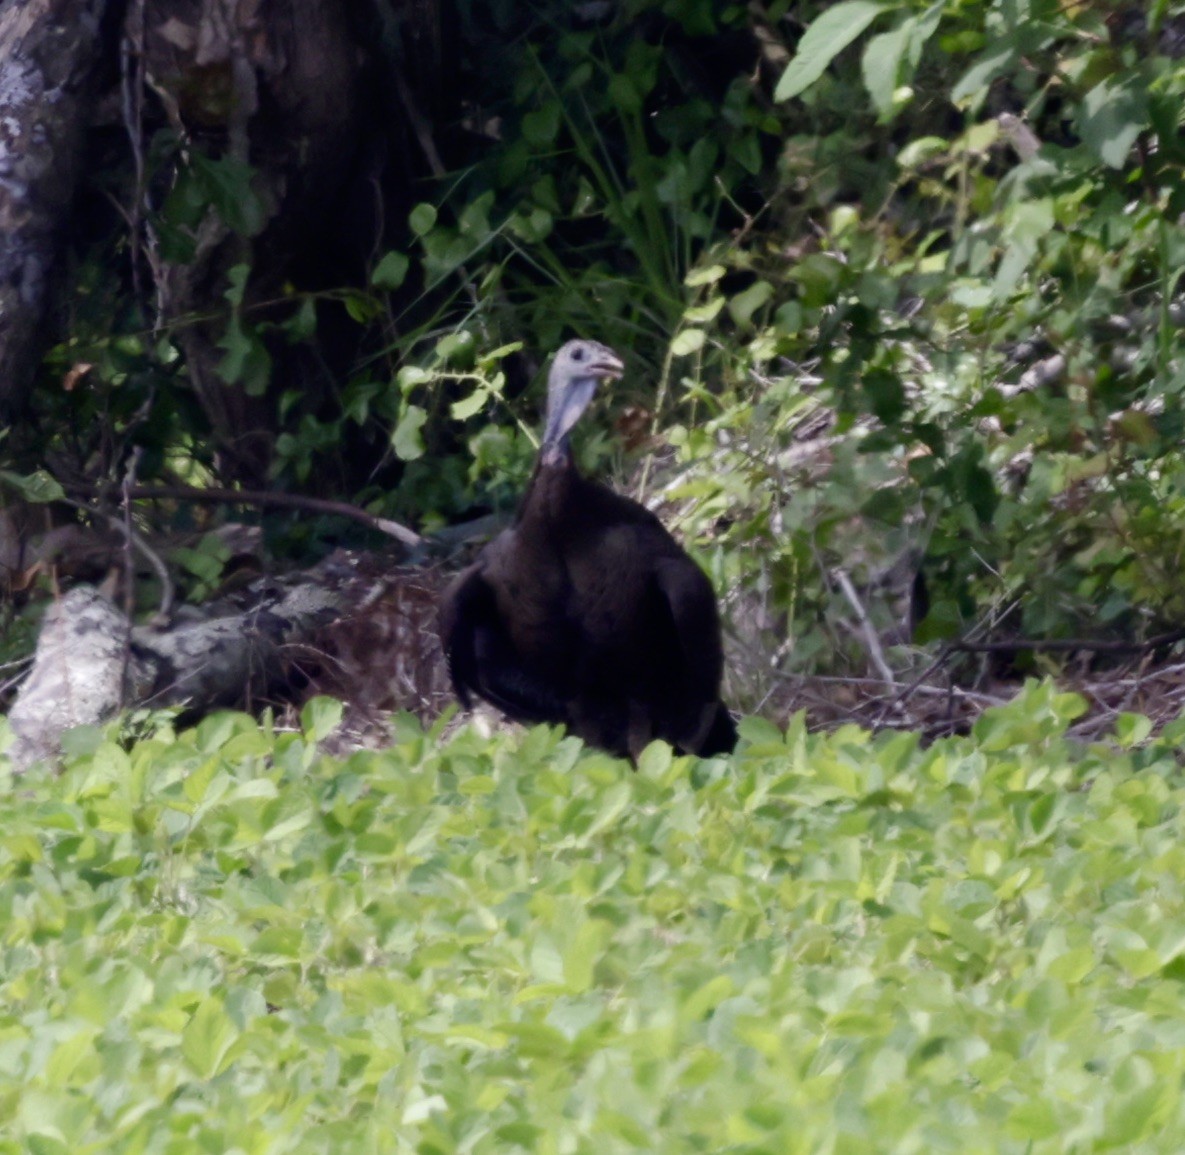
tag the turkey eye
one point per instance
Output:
(577, 354)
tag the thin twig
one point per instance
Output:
(137, 543)
(1063, 645)
(132, 100)
(1155, 675)
(870, 639)
(129, 536)
(932, 668)
(263, 498)
(874, 683)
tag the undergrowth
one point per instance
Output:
(223, 939)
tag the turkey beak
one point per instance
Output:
(607, 367)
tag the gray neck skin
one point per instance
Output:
(565, 404)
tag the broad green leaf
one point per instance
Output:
(361, 307)
(702, 314)
(891, 58)
(422, 219)
(238, 276)
(302, 325)
(37, 486)
(687, 341)
(580, 958)
(247, 361)
(42, 1144)
(228, 184)
(1132, 729)
(746, 303)
(391, 271)
(407, 440)
(487, 360)
(921, 150)
(828, 35)
(972, 88)
(1111, 119)
(541, 125)
(470, 406)
(882, 64)
(320, 717)
(412, 375)
(704, 275)
(208, 1038)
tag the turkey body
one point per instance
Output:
(587, 612)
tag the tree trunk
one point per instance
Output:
(272, 86)
(48, 53)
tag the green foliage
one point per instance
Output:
(949, 258)
(620, 164)
(948, 235)
(204, 564)
(222, 939)
(37, 487)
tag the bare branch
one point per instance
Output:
(870, 639)
(263, 498)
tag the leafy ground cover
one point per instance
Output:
(225, 940)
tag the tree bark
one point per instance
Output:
(274, 85)
(48, 53)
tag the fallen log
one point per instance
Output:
(351, 625)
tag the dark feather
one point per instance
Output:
(587, 611)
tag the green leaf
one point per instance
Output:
(228, 185)
(41, 1144)
(974, 84)
(237, 275)
(1033, 1120)
(703, 314)
(746, 303)
(882, 64)
(623, 94)
(687, 342)
(412, 375)
(886, 395)
(541, 126)
(1111, 119)
(458, 346)
(208, 1037)
(653, 762)
(319, 718)
(391, 271)
(470, 406)
(302, 325)
(407, 440)
(361, 307)
(580, 958)
(487, 360)
(891, 59)
(827, 36)
(1132, 729)
(38, 486)
(247, 361)
(704, 275)
(422, 219)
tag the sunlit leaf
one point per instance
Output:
(826, 37)
(407, 440)
(687, 341)
(1112, 118)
